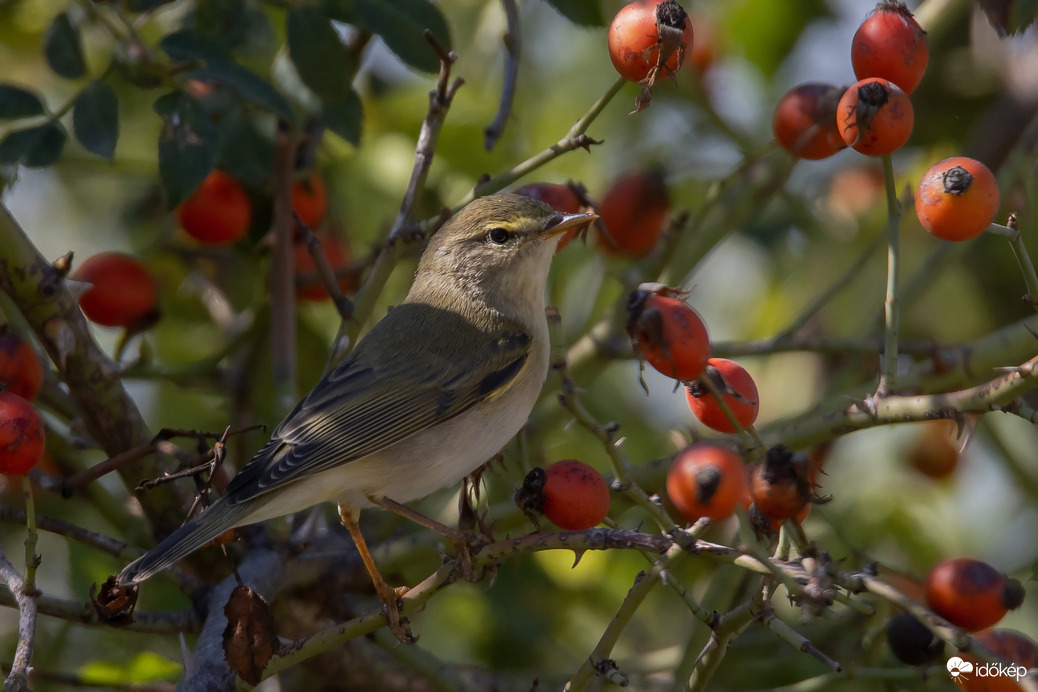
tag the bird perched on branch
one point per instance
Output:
(436, 388)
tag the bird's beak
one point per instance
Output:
(564, 222)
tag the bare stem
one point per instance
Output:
(440, 100)
(513, 47)
(888, 372)
(282, 278)
(643, 585)
(826, 295)
(18, 679)
(1016, 241)
(994, 395)
(32, 560)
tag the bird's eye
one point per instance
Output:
(498, 236)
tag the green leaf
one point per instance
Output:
(322, 61)
(248, 153)
(340, 10)
(14, 146)
(247, 84)
(16, 102)
(36, 147)
(218, 19)
(768, 29)
(188, 146)
(579, 11)
(401, 24)
(344, 117)
(64, 48)
(191, 45)
(254, 34)
(95, 119)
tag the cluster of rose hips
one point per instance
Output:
(889, 53)
(121, 291)
(633, 213)
(957, 199)
(709, 478)
(21, 430)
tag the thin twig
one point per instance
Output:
(799, 641)
(993, 395)
(733, 623)
(95, 540)
(159, 444)
(324, 268)
(81, 613)
(513, 47)
(643, 585)
(1011, 232)
(606, 434)
(72, 483)
(837, 346)
(440, 100)
(32, 559)
(892, 313)
(282, 282)
(829, 292)
(574, 139)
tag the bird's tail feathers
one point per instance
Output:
(203, 528)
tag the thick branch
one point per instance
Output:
(109, 414)
(18, 679)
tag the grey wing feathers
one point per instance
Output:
(373, 399)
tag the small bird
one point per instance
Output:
(436, 388)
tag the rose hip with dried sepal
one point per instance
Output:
(667, 332)
(875, 117)
(957, 199)
(570, 493)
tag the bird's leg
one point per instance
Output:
(388, 594)
(465, 544)
(416, 516)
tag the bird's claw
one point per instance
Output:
(399, 626)
(466, 547)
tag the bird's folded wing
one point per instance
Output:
(377, 396)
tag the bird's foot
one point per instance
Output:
(399, 626)
(466, 547)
